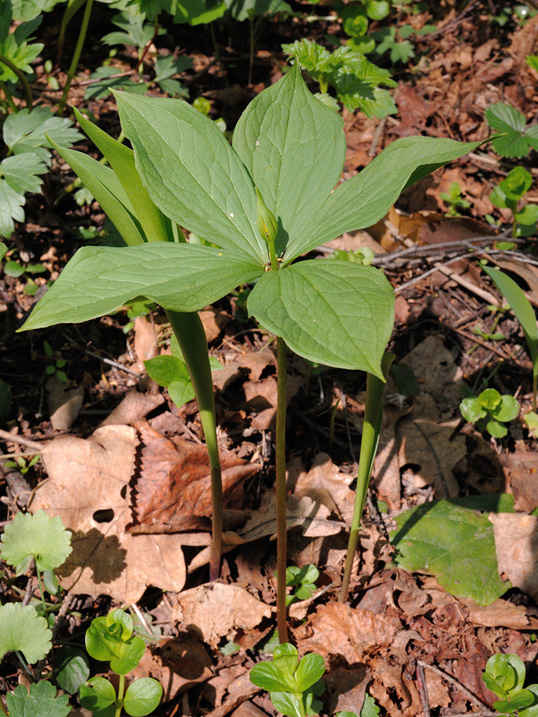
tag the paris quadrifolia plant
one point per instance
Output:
(260, 204)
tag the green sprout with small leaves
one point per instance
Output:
(303, 580)
(489, 410)
(505, 676)
(56, 365)
(454, 200)
(112, 639)
(508, 195)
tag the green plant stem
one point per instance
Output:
(373, 413)
(76, 54)
(281, 525)
(190, 334)
(121, 692)
(24, 664)
(41, 591)
(22, 79)
(272, 254)
(534, 389)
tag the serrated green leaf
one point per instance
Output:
(22, 171)
(167, 67)
(180, 277)
(38, 535)
(453, 543)
(294, 149)
(365, 198)
(19, 54)
(518, 137)
(11, 208)
(369, 707)
(142, 697)
(22, 629)
(328, 311)
(25, 131)
(41, 701)
(192, 174)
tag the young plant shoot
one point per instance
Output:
(260, 204)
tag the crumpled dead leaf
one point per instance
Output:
(501, 613)
(88, 487)
(522, 469)
(215, 610)
(338, 629)
(516, 544)
(64, 404)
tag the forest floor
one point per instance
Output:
(402, 636)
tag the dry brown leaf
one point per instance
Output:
(64, 404)
(145, 341)
(173, 490)
(438, 374)
(88, 487)
(426, 445)
(345, 689)
(214, 322)
(522, 468)
(326, 484)
(178, 664)
(351, 241)
(134, 406)
(216, 610)
(338, 629)
(501, 613)
(516, 544)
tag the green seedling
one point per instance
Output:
(532, 62)
(531, 421)
(369, 709)
(292, 685)
(135, 310)
(364, 255)
(56, 365)
(23, 465)
(260, 204)
(505, 676)
(489, 410)
(524, 313)
(112, 639)
(518, 138)
(356, 81)
(493, 334)
(454, 200)
(172, 373)
(508, 194)
(303, 580)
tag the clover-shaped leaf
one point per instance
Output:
(40, 702)
(38, 536)
(23, 630)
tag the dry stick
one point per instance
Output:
(10, 437)
(377, 137)
(462, 688)
(456, 21)
(282, 528)
(423, 690)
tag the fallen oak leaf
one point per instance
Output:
(173, 491)
(88, 488)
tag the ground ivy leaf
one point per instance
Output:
(294, 148)
(180, 277)
(22, 629)
(455, 544)
(365, 198)
(191, 172)
(333, 312)
(38, 535)
(21, 172)
(40, 702)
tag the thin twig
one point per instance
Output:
(13, 438)
(377, 137)
(423, 690)
(453, 681)
(453, 23)
(111, 362)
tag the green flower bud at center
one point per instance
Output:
(267, 223)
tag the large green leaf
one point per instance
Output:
(21, 172)
(23, 630)
(155, 225)
(333, 312)
(180, 277)
(365, 198)
(107, 189)
(455, 544)
(40, 702)
(191, 172)
(294, 148)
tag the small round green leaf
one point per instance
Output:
(489, 399)
(517, 183)
(166, 369)
(38, 535)
(97, 694)
(498, 198)
(13, 269)
(471, 409)
(22, 629)
(130, 655)
(496, 429)
(142, 697)
(377, 9)
(507, 410)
